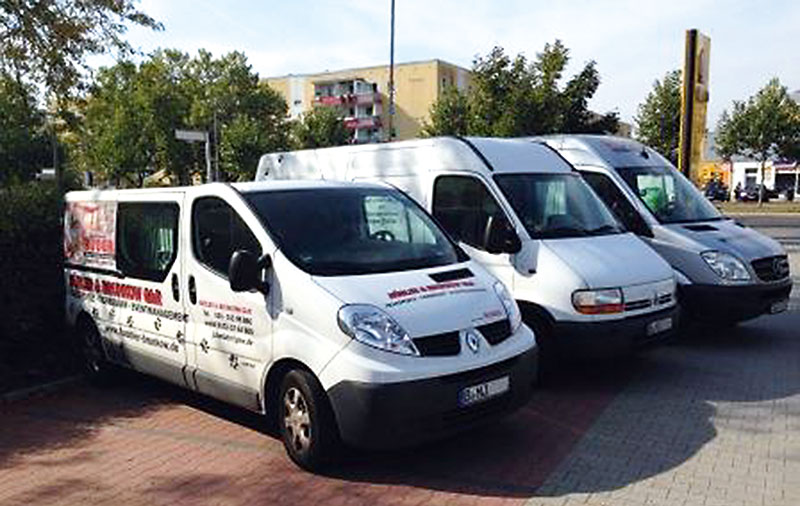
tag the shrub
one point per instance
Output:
(33, 342)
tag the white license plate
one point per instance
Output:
(483, 391)
(658, 326)
(779, 306)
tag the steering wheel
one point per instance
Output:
(382, 235)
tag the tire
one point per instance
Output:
(95, 363)
(548, 356)
(306, 422)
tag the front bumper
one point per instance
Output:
(391, 415)
(603, 339)
(735, 303)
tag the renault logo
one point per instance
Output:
(472, 340)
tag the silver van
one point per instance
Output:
(726, 272)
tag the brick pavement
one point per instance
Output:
(713, 419)
(143, 442)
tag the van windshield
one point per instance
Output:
(557, 205)
(668, 194)
(350, 231)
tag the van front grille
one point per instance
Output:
(635, 305)
(771, 268)
(496, 332)
(438, 345)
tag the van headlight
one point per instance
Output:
(510, 305)
(372, 326)
(727, 266)
(605, 301)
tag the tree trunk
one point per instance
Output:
(761, 188)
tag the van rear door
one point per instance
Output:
(149, 323)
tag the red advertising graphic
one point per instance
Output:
(89, 231)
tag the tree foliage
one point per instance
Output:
(47, 41)
(321, 127)
(516, 97)
(659, 117)
(24, 142)
(132, 112)
(766, 125)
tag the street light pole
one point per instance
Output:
(391, 76)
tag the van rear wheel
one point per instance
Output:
(306, 422)
(94, 358)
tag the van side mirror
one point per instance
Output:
(245, 269)
(500, 236)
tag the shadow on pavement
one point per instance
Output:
(677, 398)
(575, 435)
(74, 415)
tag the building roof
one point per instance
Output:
(370, 67)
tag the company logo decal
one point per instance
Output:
(472, 340)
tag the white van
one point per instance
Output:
(586, 286)
(286, 298)
(726, 272)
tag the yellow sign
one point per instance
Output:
(694, 103)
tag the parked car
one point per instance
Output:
(726, 271)
(750, 193)
(343, 312)
(585, 285)
(715, 190)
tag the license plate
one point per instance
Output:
(779, 306)
(483, 391)
(658, 326)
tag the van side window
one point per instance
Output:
(614, 199)
(217, 231)
(147, 239)
(463, 206)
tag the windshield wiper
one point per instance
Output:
(565, 232)
(604, 229)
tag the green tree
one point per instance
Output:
(132, 112)
(47, 41)
(449, 114)
(658, 120)
(229, 100)
(514, 97)
(130, 116)
(767, 125)
(24, 140)
(321, 127)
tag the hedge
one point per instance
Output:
(34, 344)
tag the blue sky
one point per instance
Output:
(633, 42)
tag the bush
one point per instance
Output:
(33, 343)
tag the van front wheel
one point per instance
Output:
(306, 422)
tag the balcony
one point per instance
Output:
(349, 99)
(363, 122)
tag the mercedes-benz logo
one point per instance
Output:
(472, 340)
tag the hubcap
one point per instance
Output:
(296, 420)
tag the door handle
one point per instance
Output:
(176, 295)
(192, 290)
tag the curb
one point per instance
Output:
(37, 390)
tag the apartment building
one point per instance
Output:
(362, 96)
